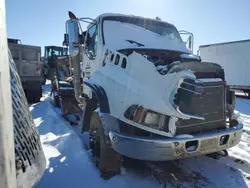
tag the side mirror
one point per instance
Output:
(73, 37)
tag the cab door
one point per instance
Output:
(92, 54)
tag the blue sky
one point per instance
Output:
(41, 22)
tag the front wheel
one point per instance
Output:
(107, 159)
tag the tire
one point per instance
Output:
(28, 96)
(36, 99)
(33, 96)
(29, 99)
(107, 159)
(55, 99)
(43, 81)
(38, 94)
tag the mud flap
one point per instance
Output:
(110, 161)
(70, 110)
(69, 105)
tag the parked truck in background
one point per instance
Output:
(57, 61)
(144, 94)
(30, 68)
(234, 59)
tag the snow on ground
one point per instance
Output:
(239, 156)
(69, 164)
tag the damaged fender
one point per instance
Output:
(135, 84)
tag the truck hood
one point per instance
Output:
(117, 34)
(138, 84)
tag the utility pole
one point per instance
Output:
(7, 157)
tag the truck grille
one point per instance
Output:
(202, 99)
(29, 156)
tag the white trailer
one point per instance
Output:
(234, 59)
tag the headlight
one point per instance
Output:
(151, 118)
(146, 117)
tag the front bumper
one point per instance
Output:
(163, 149)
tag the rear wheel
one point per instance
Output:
(55, 98)
(38, 94)
(43, 81)
(107, 159)
(33, 96)
(36, 98)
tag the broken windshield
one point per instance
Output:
(159, 27)
(121, 32)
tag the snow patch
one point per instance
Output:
(37, 121)
(50, 152)
(51, 169)
(185, 136)
(162, 68)
(190, 56)
(210, 79)
(191, 148)
(62, 159)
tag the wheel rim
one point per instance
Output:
(94, 136)
(107, 160)
(94, 143)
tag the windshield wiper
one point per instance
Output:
(132, 41)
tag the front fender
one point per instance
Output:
(101, 97)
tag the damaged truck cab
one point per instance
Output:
(152, 98)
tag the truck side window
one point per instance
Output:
(92, 38)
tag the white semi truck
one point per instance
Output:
(234, 59)
(144, 94)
